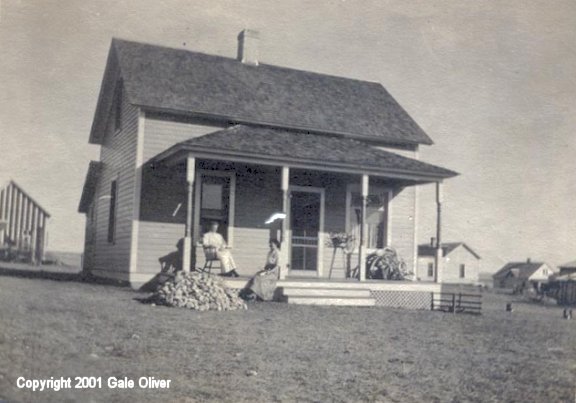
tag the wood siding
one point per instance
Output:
(118, 155)
(162, 132)
(402, 222)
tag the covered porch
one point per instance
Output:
(315, 185)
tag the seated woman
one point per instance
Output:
(212, 239)
(263, 284)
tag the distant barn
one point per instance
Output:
(22, 225)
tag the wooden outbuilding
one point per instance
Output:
(23, 224)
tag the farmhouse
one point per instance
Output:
(519, 275)
(23, 224)
(461, 264)
(189, 138)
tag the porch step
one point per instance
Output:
(305, 294)
(324, 292)
(341, 301)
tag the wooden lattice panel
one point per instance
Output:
(402, 299)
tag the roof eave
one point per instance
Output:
(240, 120)
(101, 113)
(179, 152)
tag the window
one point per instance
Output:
(112, 211)
(376, 217)
(430, 269)
(462, 270)
(118, 107)
(215, 203)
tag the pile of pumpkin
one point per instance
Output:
(198, 291)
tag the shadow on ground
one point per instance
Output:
(35, 272)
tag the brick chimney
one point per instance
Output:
(433, 242)
(248, 46)
(528, 260)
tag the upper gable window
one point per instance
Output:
(118, 106)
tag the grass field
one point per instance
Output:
(276, 352)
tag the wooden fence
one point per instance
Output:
(456, 302)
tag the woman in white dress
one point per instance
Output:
(212, 239)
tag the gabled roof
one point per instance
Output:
(296, 148)
(447, 248)
(182, 81)
(569, 265)
(6, 182)
(519, 269)
(94, 170)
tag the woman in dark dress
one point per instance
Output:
(263, 284)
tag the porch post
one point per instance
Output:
(187, 250)
(284, 255)
(438, 257)
(362, 246)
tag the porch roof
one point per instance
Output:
(94, 170)
(300, 149)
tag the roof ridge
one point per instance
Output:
(274, 66)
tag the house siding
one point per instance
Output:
(403, 230)
(161, 132)
(118, 155)
(451, 270)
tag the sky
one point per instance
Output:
(492, 82)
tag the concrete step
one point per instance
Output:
(340, 301)
(324, 292)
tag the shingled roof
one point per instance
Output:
(179, 80)
(260, 144)
(447, 248)
(519, 269)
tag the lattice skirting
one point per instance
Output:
(402, 299)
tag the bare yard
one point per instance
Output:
(279, 352)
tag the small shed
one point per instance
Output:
(23, 225)
(460, 265)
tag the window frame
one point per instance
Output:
(431, 269)
(118, 99)
(462, 272)
(198, 202)
(113, 211)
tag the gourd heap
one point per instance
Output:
(198, 291)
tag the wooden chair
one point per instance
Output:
(210, 257)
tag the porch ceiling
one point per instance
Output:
(296, 149)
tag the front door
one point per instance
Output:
(305, 229)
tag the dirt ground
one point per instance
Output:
(279, 352)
